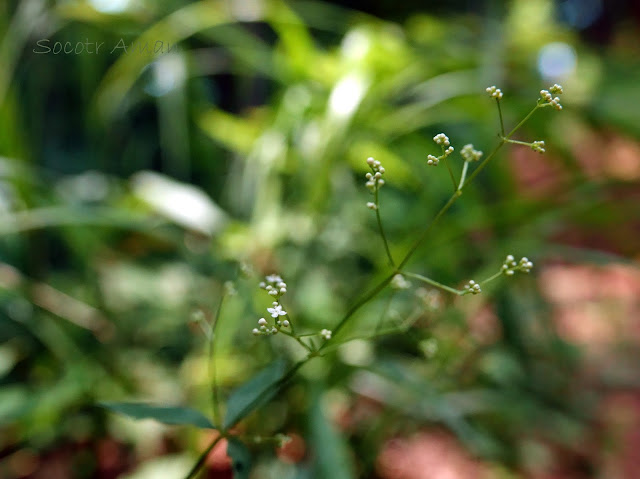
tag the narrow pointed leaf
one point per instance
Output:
(254, 393)
(174, 415)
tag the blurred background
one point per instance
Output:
(183, 144)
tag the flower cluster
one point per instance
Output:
(546, 96)
(509, 267)
(264, 328)
(326, 334)
(472, 287)
(469, 153)
(538, 146)
(494, 92)
(274, 285)
(374, 179)
(399, 282)
(442, 140)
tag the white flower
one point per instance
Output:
(441, 139)
(508, 265)
(538, 146)
(273, 278)
(468, 153)
(494, 92)
(326, 334)
(262, 322)
(548, 99)
(399, 282)
(556, 89)
(473, 287)
(276, 310)
(374, 180)
(274, 285)
(525, 265)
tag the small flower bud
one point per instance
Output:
(556, 89)
(468, 153)
(538, 146)
(494, 92)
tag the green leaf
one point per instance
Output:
(240, 457)
(332, 453)
(253, 394)
(165, 414)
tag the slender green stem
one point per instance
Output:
(384, 237)
(434, 283)
(297, 338)
(426, 231)
(203, 457)
(293, 334)
(524, 120)
(215, 399)
(517, 142)
(364, 300)
(453, 178)
(465, 167)
(491, 278)
(308, 335)
(382, 332)
(385, 310)
(500, 115)
(485, 162)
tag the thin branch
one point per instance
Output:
(434, 283)
(500, 115)
(384, 237)
(203, 457)
(215, 397)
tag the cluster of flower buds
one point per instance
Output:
(442, 140)
(525, 265)
(472, 287)
(546, 96)
(274, 285)
(264, 328)
(374, 179)
(399, 282)
(468, 153)
(326, 334)
(538, 146)
(494, 92)
(509, 267)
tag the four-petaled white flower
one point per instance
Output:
(276, 310)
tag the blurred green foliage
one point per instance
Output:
(133, 185)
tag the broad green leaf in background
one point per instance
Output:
(253, 393)
(240, 457)
(175, 415)
(332, 451)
